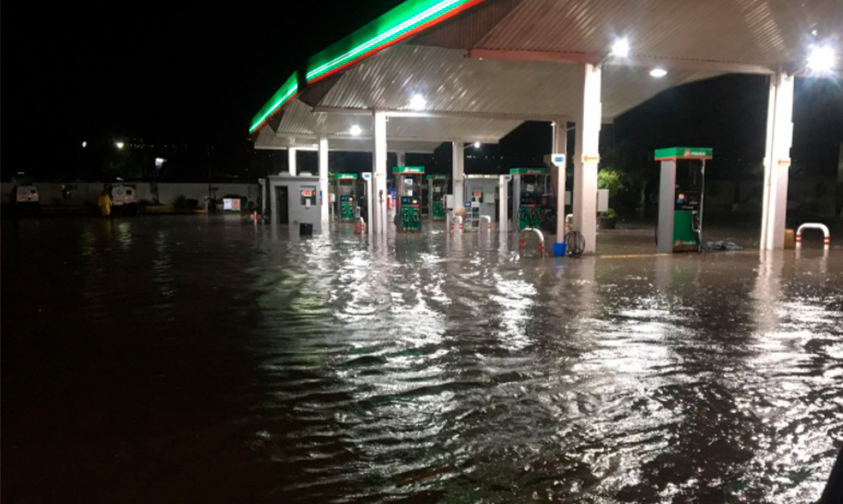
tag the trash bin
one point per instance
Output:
(559, 249)
(789, 239)
(305, 229)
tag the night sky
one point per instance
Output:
(175, 74)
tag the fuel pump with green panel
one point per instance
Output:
(681, 194)
(530, 186)
(437, 187)
(347, 196)
(408, 181)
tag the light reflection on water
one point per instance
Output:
(434, 367)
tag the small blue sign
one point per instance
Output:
(468, 204)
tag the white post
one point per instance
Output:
(323, 184)
(378, 210)
(777, 161)
(401, 159)
(263, 182)
(560, 146)
(589, 117)
(504, 204)
(291, 160)
(458, 172)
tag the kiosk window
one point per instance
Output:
(308, 196)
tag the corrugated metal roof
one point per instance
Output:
(468, 28)
(768, 32)
(453, 83)
(300, 123)
(267, 140)
(696, 39)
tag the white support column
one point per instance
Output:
(777, 161)
(291, 161)
(560, 146)
(323, 184)
(379, 172)
(503, 189)
(401, 158)
(458, 172)
(589, 116)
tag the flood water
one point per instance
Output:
(203, 360)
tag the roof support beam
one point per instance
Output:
(433, 114)
(642, 61)
(689, 64)
(512, 55)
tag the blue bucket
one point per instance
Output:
(559, 249)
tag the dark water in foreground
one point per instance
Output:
(187, 360)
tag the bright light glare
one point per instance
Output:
(84, 144)
(476, 145)
(821, 59)
(119, 145)
(355, 130)
(418, 102)
(159, 162)
(620, 49)
(658, 73)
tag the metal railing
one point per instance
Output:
(522, 242)
(814, 225)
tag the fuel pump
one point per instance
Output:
(347, 196)
(437, 187)
(681, 194)
(408, 180)
(529, 195)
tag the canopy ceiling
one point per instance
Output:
(485, 66)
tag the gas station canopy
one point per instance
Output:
(473, 70)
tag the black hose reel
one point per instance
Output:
(575, 243)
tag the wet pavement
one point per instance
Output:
(188, 359)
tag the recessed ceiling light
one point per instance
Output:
(658, 73)
(821, 59)
(620, 49)
(355, 130)
(417, 102)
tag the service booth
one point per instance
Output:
(482, 192)
(295, 199)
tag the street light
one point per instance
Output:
(84, 144)
(119, 144)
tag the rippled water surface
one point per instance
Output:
(196, 360)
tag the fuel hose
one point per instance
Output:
(575, 243)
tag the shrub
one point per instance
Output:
(609, 178)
